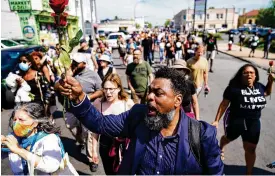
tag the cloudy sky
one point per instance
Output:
(156, 11)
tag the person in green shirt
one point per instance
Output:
(139, 75)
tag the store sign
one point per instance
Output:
(200, 7)
(27, 25)
(28, 32)
(18, 5)
(46, 6)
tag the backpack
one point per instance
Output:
(194, 138)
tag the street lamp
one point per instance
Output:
(233, 17)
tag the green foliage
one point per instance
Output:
(211, 7)
(149, 24)
(116, 18)
(75, 41)
(217, 35)
(266, 17)
(137, 26)
(167, 22)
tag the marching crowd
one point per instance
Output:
(155, 130)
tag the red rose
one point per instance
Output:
(58, 6)
(271, 63)
(62, 19)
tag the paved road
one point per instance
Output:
(225, 67)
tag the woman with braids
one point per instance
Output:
(243, 101)
(34, 146)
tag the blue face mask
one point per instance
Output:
(24, 66)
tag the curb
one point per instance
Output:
(240, 58)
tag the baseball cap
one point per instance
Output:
(78, 57)
(82, 41)
(181, 64)
(105, 57)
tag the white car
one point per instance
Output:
(210, 30)
(8, 43)
(221, 29)
(112, 39)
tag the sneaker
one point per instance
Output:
(93, 166)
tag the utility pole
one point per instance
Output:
(194, 15)
(92, 24)
(205, 13)
(95, 12)
(82, 18)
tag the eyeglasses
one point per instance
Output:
(111, 90)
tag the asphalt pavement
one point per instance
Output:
(224, 69)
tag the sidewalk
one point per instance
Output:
(243, 55)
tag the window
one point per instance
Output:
(207, 16)
(113, 36)
(218, 16)
(184, 17)
(9, 43)
(221, 15)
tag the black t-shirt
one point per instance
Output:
(169, 52)
(178, 45)
(187, 98)
(242, 37)
(246, 102)
(147, 45)
(211, 42)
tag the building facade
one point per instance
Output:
(117, 25)
(248, 18)
(215, 18)
(36, 22)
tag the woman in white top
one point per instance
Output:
(129, 57)
(115, 101)
(34, 146)
(161, 50)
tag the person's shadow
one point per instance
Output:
(73, 150)
(240, 170)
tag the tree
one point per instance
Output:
(167, 23)
(149, 25)
(137, 26)
(211, 7)
(116, 18)
(266, 17)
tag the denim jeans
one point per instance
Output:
(178, 54)
(161, 54)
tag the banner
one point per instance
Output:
(200, 7)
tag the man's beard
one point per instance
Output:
(160, 121)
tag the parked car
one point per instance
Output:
(254, 30)
(263, 31)
(273, 35)
(243, 29)
(22, 41)
(221, 29)
(101, 33)
(234, 31)
(211, 30)
(10, 56)
(8, 43)
(112, 39)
